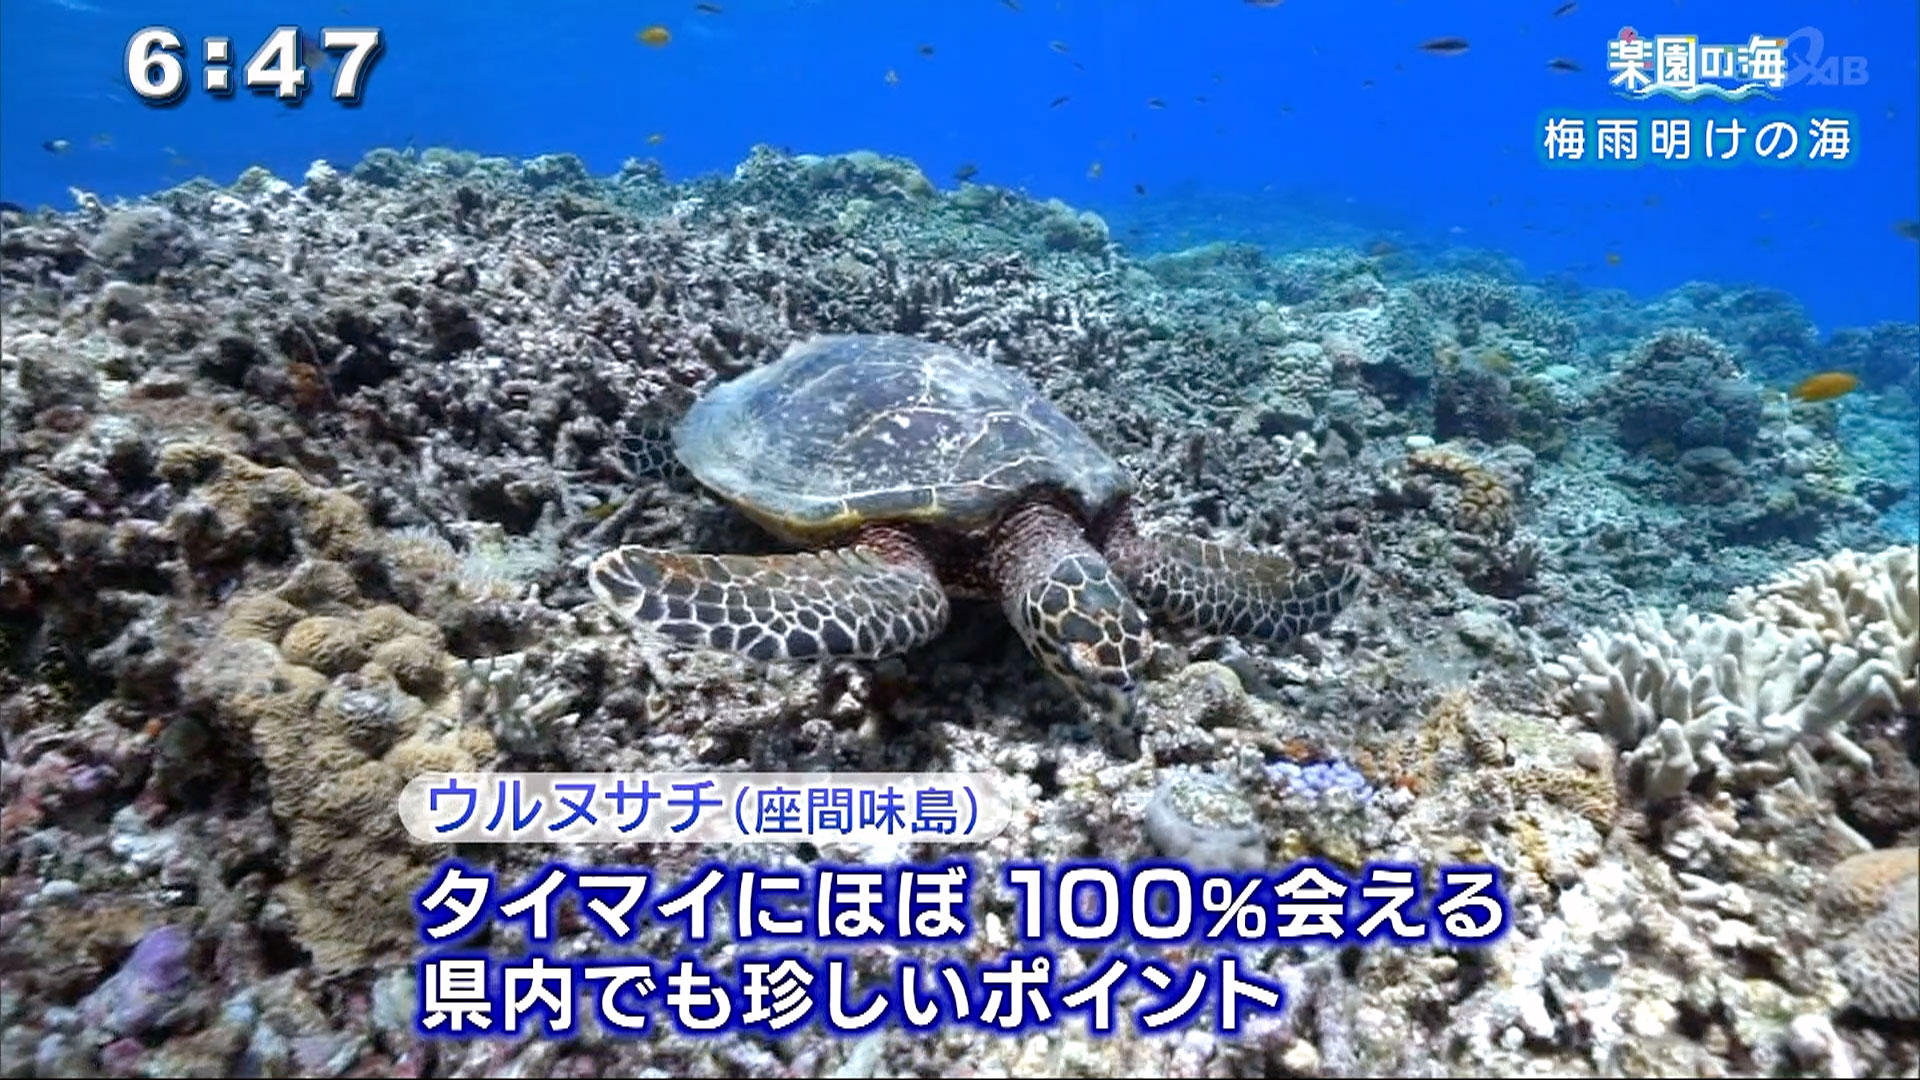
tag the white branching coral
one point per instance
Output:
(1803, 659)
(1868, 603)
(497, 692)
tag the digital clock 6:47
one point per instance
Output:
(157, 65)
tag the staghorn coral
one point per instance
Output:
(1486, 502)
(1741, 699)
(1867, 603)
(1696, 693)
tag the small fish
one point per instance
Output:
(1060, 47)
(1010, 5)
(1077, 65)
(1094, 170)
(56, 146)
(1286, 107)
(1059, 101)
(1155, 103)
(102, 138)
(1496, 360)
(967, 171)
(1200, 99)
(1561, 63)
(655, 36)
(1650, 201)
(1825, 386)
(893, 77)
(311, 53)
(1366, 84)
(1613, 258)
(1265, 3)
(1381, 248)
(1139, 189)
(1908, 229)
(1564, 9)
(603, 511)
(656, 139)
(925, 50)
(1444, 46)
(707, 9)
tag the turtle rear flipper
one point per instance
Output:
(853, 602)
(1223, 590)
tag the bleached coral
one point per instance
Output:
(1805, 658)
(1870, 603)
(497, 690)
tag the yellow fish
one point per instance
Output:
(1825, 386)
(653, 35)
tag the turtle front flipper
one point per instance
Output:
(855, 602)
(1070, 609)
(1223, 590)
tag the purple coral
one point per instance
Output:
(151, 982)
(1320, 779)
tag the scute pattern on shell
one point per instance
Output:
(847, 430)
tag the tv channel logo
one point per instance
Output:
(1814, 67)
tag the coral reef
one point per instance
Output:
(302, 479)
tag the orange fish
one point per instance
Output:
(1825, 386)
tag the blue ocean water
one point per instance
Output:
(1293, 123)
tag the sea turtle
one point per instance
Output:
(913, 472)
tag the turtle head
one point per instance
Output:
(1073, 613)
